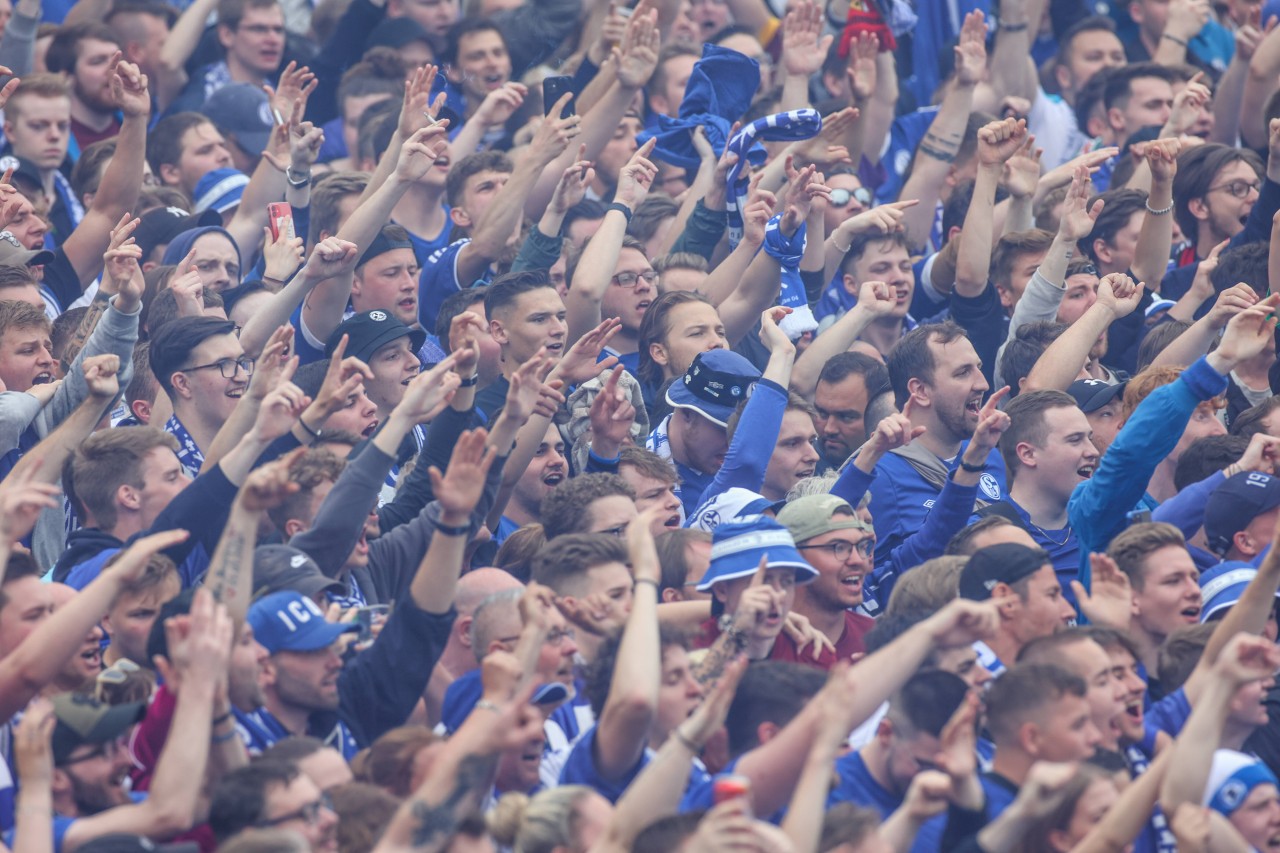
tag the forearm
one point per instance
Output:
(18, 46)
(118, 192)
(180, 770)
(45, 465)
(1192, 753)
(230, 575)
(34, 815)
(1018, 215)
(722, 281)
(1262, 81)
(181, 41)
(1054, 266)
(591, 278)
(432, 588)
(503, 216)
(703, 181)
(267, 184)
(867, 135)
(757, 290)
(837, 339)
(899, 829)
(1130, 813)
(633, 691)
(234, 428)
(803, 823)
(239, 461)
(1188, 346)
(1155, 239)
(795, 93)
(597, 129)
(1170, 52)
(973, 263)
(263, 322)
(1249, 614)
(1062, 361)
(1228, 101)
(653, 794)
(1012, 70)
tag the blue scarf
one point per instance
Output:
(787, 251)
(793, 125)
(189, 453)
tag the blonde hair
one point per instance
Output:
(928, 587)
(538, 824)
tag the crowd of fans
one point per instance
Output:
(584, 426)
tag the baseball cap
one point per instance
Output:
(1222, 586)
(738, 546)
(1006, 563)
(814, 515)
(13, 253)
(381, 245)
(369, 330)
(1159, 305)
(281, 567)
(288, 621)
(158, 227)
(731, 504)
(84, 720)
(1231, 777)
(23, 169)
(714, 385)
(243, 110)
(220, 190)
(1237, 501)
(121, 843)
(1092, 394)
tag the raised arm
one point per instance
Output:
(1012, 71)
(1063, 360)
(874, 300)
(100, 374)
(804, 49)
(331, 258)
(1196, 341)
(941, 143)
(1155, 238)
(997, 142)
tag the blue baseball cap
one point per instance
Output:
(1222, 586)
(730, 505)
(714, 385)
(1236, 502)
(220, 190)
(737, 546)
(243, 111)
(288, 621)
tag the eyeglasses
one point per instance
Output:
(227, 366)
(308, 814)
(556, 636)
(841, 549)
(629, 279)
(840, 198)
(1239, 189)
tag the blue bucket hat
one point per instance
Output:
(1222, 586)
(737, 546)
(288, 621)
(730, 505)
(220, 190)
(714, 385)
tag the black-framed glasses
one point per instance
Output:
(840, 197)
(1239, 189)
(308, 814)
(244, 362)
(842, 548)
(629, 279)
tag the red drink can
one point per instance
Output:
(729, 787)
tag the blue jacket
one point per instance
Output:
(748, 455)
(1099, 506)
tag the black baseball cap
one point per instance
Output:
(277, 567)
(23, 169)
(369, 330)
(1005, 563)
(1235, 503)
(1092, 394)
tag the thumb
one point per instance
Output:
(1081, 593)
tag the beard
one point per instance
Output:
(92, 799)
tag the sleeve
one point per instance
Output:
(702, 231)
(962, 829)
(115, 333)
(533, 30)
(338, 523)
(983, 318)
(17, 410)
(1039, 304)
(950, 513)
(1098, 506)
(380, 687)
(343, 50)
(753, 441)
(853, 484)
(597, 464)
(1185, 510)
(415, 492)
(538, 251)
(18, 46)
(200, 508)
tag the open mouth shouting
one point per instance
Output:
(1086, 470)
(1191, 614)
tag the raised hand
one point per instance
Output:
(863, 50)
(273, 365)
(881, 219)
(1229, 303)
(459, 490)
(804, 47)
(803, 186)
(758, 600)
(803, 634)
(992, 424)
(1249, 332)
(771, 335)
(971, 50)
(554, 134)
(962, 623)
(1119, 294)
(1000, 140)
(33, 744)
(429, 392)
(1161, 156)
(637, 57)
(344, 377)
(636, 178)
(421, 150)
(295, 84)
(500, 104)
(529, 389)
(709, 716)
(417, 110)
(827, 149)
(582, 360)
(893, 431)
(122, 277)
(1187, 105)
(101, 374)
(573, 184)
(280, 410)
(282, 255)
(129, 87)
(1022, 170)
(269, 485)
(1190, 822)
(611, 417)
(7, 91)
(22, 499)
(1247, 658)
(331, 258)
(1262, 455)
(131, 563)
(1110, 601)
(465, 333)
(757, 212)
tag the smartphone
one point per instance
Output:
(730, 787)
(280, 218)
(366, 616)
(1138, 516)
(555, 88)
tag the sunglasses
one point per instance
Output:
(840, 198)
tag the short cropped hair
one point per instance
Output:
(567, 507)
(1022, 691)
(564, 561)
(912, 358)
(1133, 545)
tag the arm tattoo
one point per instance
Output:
(726, 647)
(432, 825)
(223, 580)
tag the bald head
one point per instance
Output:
(477, 585)
(496, 617)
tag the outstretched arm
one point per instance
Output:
(1063, 360)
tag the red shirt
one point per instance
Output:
(850, 643)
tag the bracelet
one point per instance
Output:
(1007, 27)
(447, 530)
(621, 208)
(685, 742)
(294, 182)
(972, 469)
(470, 382)
(1174, 39)
(315, 434)
(217, 739)
(486, 705)
(1161, 212)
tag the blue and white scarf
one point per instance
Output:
(788, 126)
(788, 251)
(189, 453)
